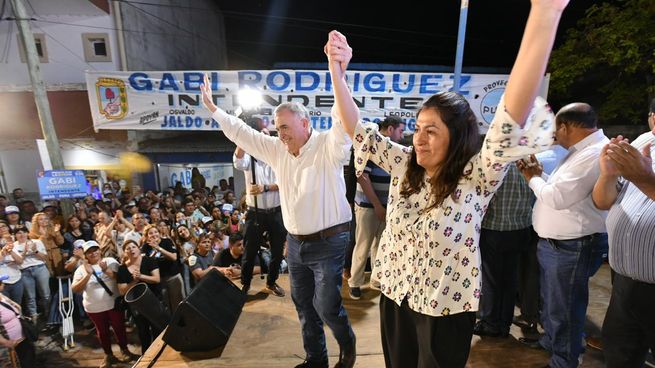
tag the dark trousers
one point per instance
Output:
(26, 354)
(147, 332)
(500, 258)
(351, 244)
(411, 339)
(528, 280)
(629, 326)
(254, 230)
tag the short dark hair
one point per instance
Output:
(20, 229)
(652, 105)
(577, 114)
(391, 121)
(234, 238)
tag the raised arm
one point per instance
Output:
(259, 145)
(339, 55)
(531, 61)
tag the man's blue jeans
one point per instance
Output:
(566, 266)
(315, 269)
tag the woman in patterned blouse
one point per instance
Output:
(428, 262)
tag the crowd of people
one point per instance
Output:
(449, 224)
(168, 240)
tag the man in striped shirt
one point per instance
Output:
(626, 187)
(370, 210)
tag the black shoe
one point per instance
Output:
(276, 290)
(355, 293)
(484, 329)
(245, 288)
(531, 343)
(347, 356)
(308, 364)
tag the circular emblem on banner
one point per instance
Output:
(489, 104)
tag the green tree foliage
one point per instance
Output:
(608, 59)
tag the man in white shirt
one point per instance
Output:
(572, 233)
(308, 166)
(139, 221)
(263, 216)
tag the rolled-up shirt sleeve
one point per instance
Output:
(369, 144)
(242, 163)
(506, 141)
(338, 141)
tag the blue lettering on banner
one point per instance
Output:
(55, 184)
(463, 80)
(272, 79)
(427, 81)
(328, 82)
(321, 122)
(374, 85)
(249, 78)
(168, 82)
(192, 81)
(314, 77)
(410, 83)
(356, 82)
(140, 82)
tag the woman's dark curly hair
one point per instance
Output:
(462, 125)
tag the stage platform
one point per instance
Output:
(268, 335)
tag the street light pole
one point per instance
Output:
(461, 37)
(39, 91)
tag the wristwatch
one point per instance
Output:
(266, 188)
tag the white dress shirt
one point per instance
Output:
(564, 208)
(312, 188)
(264, 175)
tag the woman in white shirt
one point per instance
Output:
(428, 262)
(34, 272)
(96, 279)
(10, 262)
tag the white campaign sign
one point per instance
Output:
(170, 100)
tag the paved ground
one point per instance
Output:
(283, 331)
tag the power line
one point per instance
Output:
(175, 25)
(69, 141)
(65, 47)
(311, 20)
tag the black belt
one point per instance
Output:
(325, 233)
(265, 210)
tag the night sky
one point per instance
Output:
(261, 33)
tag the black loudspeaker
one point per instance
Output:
(144, 301)
(205, 319)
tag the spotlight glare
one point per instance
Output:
(249, 98)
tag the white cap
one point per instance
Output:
(90, 244)
(207, 219)
(79, 243)
(11, 209)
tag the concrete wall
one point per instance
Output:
(63, 40)
(20, 167)
(177, 35)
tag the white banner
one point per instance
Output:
(170, 100)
